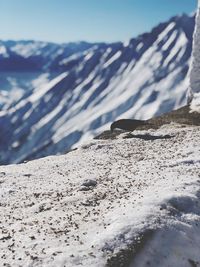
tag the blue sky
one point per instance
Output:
(89, 20)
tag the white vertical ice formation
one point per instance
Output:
(194, 90)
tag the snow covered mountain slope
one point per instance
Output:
(23, 63)
(140, 79)
(117, 203)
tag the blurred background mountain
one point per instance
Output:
(53, 97)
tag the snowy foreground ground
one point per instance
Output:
(141, 206)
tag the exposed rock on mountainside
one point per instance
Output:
(181, 116)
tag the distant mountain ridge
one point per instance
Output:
(35, 55)
(90, 85)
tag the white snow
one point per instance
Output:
(112, 59)
(3, 51)
(68, 59)
(89, 55)
(41, 80)
(139, 47)
(180, 46)
(195, 104)
(52, 215)
(45, 88)
(167, 30)
(195, 65)
(169, 41)
(27, 50)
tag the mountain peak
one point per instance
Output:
(99, 83)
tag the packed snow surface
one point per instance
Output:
(82, 208)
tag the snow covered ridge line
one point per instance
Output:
(124, 202)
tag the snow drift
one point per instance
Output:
(125, 202)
